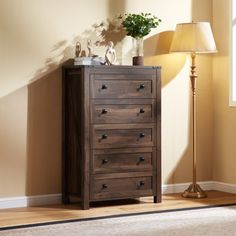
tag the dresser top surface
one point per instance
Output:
(111, 67)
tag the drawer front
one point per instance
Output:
(123, 136)
(121, 188)
(121, 162)
(123, 113)
(123, 86)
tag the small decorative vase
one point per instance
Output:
(138, 51)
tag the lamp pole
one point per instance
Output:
(193, 78)
(194, 190)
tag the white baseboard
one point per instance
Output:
(38, 200)
(224, 187)
(179, 188)
(205, 185)
(25, 201)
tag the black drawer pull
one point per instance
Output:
(141, 135)
(141, 86)
(104, 161)
(141, 159)
(104, 136)
(141, 110)
(141, 183)
(104, 186)
(104, 111)
(104, 86)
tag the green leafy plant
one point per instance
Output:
(139, 25)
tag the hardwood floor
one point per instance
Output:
(33, 215)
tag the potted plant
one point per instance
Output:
(137, 26)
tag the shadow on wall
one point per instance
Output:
(176, 125)
(158, 44)
(41, 118)
(99, 34)
(44, 135)
(110, 30)
(44, 110)
(157, 52)
(45, 104)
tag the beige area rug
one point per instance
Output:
(217, 221)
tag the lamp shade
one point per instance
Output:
(193, 37)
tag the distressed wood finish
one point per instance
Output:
(111, 133)
(122, 162)
(123, 86)
(123, 111)
(121, 188)
(120, 136)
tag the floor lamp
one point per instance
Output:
(193, 38)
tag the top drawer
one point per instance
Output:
(123, 86)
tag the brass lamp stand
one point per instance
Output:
(194, 190)
(194, 37)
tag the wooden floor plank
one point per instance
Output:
(32, 215)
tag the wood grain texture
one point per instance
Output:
(122, 87)
(111, 114)
(71, 134)
(122, 162)
(40, 214)
(117, 137)
(117, 188)
(119, 111)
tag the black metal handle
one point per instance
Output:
(141, 183)
(141, 135)
(141, 110)
(104, 161)
(141, 86)
(104, 136)
(141, 159)
(104, 86)
(104, 111)
(104, 186)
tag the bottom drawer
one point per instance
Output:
(121, 188)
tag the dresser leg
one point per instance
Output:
(156, 199)
(85, 205)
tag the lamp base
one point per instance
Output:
(194, 191)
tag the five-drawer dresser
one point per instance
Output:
(111, 133)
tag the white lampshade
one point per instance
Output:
(193, 37)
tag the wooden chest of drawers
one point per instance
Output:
(111, 133)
